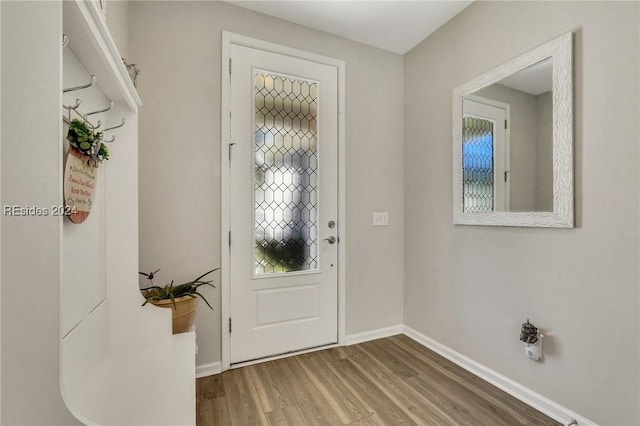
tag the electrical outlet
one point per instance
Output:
(380, 218)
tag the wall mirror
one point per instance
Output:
(513, 142)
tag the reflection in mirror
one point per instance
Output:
(507, 143)
(513, 142)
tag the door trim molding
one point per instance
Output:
(228, 39)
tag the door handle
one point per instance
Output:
(331, 240)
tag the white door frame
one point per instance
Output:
(228, 39)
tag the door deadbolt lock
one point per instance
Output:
(332, 224)
(331, 240)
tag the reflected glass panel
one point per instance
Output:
(477, 165)
(286, 174)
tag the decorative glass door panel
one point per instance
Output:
(477, 165)
(485, 187)
(285, 174)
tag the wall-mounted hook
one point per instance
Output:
(78, 102)
(84, 86)
(90, 124)
(99, 111)
(65, 40)
(115, 127)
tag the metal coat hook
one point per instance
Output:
(65, 40)
(99, 111)
(93, 126)
(84, 86)
(115, 127)
(75, 107)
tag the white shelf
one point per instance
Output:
(91, 41)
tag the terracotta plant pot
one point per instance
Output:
(183, 313)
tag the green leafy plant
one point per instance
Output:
(88, 142)
(103, 152)
(172, 292)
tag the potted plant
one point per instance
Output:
(181, 298)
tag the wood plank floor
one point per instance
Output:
(390, 381)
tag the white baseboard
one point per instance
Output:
(526, 395)
(353, 339)
(210, 369)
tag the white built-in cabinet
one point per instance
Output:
(112, 348)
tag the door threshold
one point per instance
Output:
(283, 355)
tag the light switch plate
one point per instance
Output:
(380, 218)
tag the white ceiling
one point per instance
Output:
(534, 80)
(396, 26)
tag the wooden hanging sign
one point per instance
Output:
(79, 186)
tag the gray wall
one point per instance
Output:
(178, 47)
(470, 287)
(118, 23)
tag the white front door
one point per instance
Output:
(283, 204)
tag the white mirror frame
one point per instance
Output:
(560, 49)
